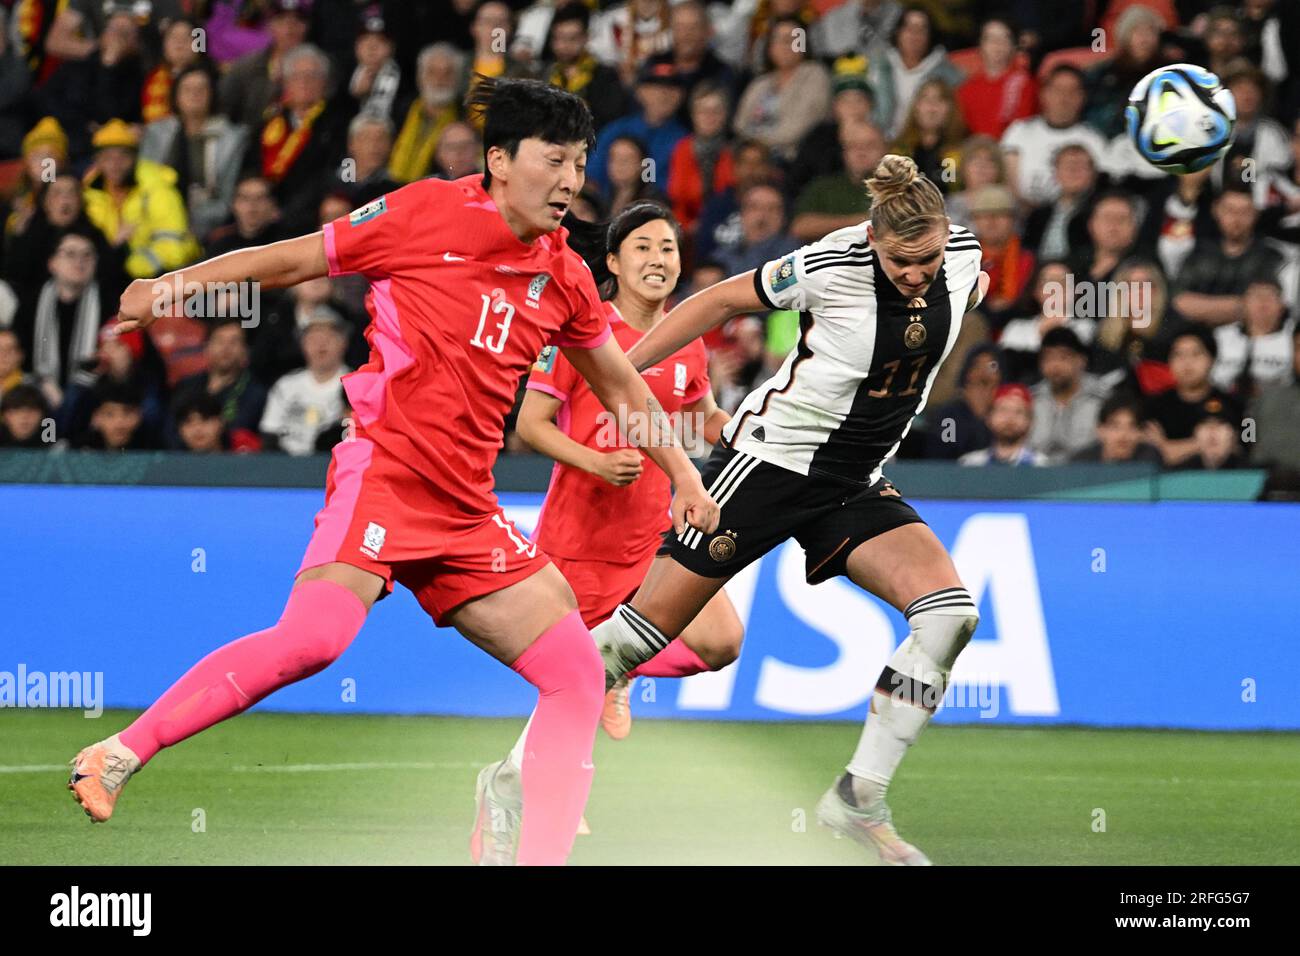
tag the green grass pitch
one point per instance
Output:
(299, 788)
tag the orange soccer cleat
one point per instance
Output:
(616, 717)
(98, 774)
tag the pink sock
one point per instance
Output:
(318, 623)
(675, 660)
(565, 667)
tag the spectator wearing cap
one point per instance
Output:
(763, 236)
(229, 380)
(1010, 266)
(304, 138)
(784, 103)
(839, 199)
(658, 94)
(1029, 144)
(1172, 415)
(436, 106)
(960, 426)
(572, 67)
(256, 218)
(999, 91)
(702, 165)
(820, 152)
(1054, 229)
(58, 324)
(1211, 274)
(1068, 400)
(377, 78)
(25, 420)
(1277, 426)
(305, 403)
(1119, 435)
(12, 359)
(199, 424)
(136, 205)
(1217, 442)
(205, 149)
(116, 424)
(692, 54)
(251, 87)
(1257, 350)
(1011, 418)
(45, 152)
(627, 34)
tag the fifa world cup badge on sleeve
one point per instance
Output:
(783, 275)
(545, 359)
(369, 211)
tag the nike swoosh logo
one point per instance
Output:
(450, 258)
(78, 777)
(230, 676)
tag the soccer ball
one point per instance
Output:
(1181, 118)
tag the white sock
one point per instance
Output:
(516, 758)
(625, 640)
(911, 687)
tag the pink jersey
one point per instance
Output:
(460, 309)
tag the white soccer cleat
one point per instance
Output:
(496, 822)
(872, 827)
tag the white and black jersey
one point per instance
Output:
(867, 355)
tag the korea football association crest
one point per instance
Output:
(535, 289)
(372, 539)
(679, 379)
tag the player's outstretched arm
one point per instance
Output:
(274, 266)
(695, 316)
(536, 426)
(625, 393)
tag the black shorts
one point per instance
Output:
(764, 504)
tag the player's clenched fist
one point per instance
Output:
(137, 307)
(620, 467)
(692, 506)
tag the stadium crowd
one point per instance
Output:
(1132, 315)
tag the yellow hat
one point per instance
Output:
(47, 132)
(115, 133)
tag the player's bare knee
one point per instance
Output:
(723, 645)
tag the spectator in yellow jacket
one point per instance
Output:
(136, 202)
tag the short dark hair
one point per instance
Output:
(573, 12)
(514, 110)
(1120, 401)
(974, 355)
(1062, 336)
(120, 393)
(1070, 68)
(203, 403)
(24, 396)
(1201, 334)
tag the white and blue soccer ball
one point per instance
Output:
(1181, 118)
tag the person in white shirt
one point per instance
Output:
(304, 403)
(1259, 348)
(1030, 144)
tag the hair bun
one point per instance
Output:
(892, 178)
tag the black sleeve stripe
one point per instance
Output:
(824, 253)
(842, 262)
(761, 292)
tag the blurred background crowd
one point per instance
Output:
(141, 135)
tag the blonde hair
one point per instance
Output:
(904, 203)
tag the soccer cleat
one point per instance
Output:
(616, 717)
(98, 774)
(496, 822)
(870, 826)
